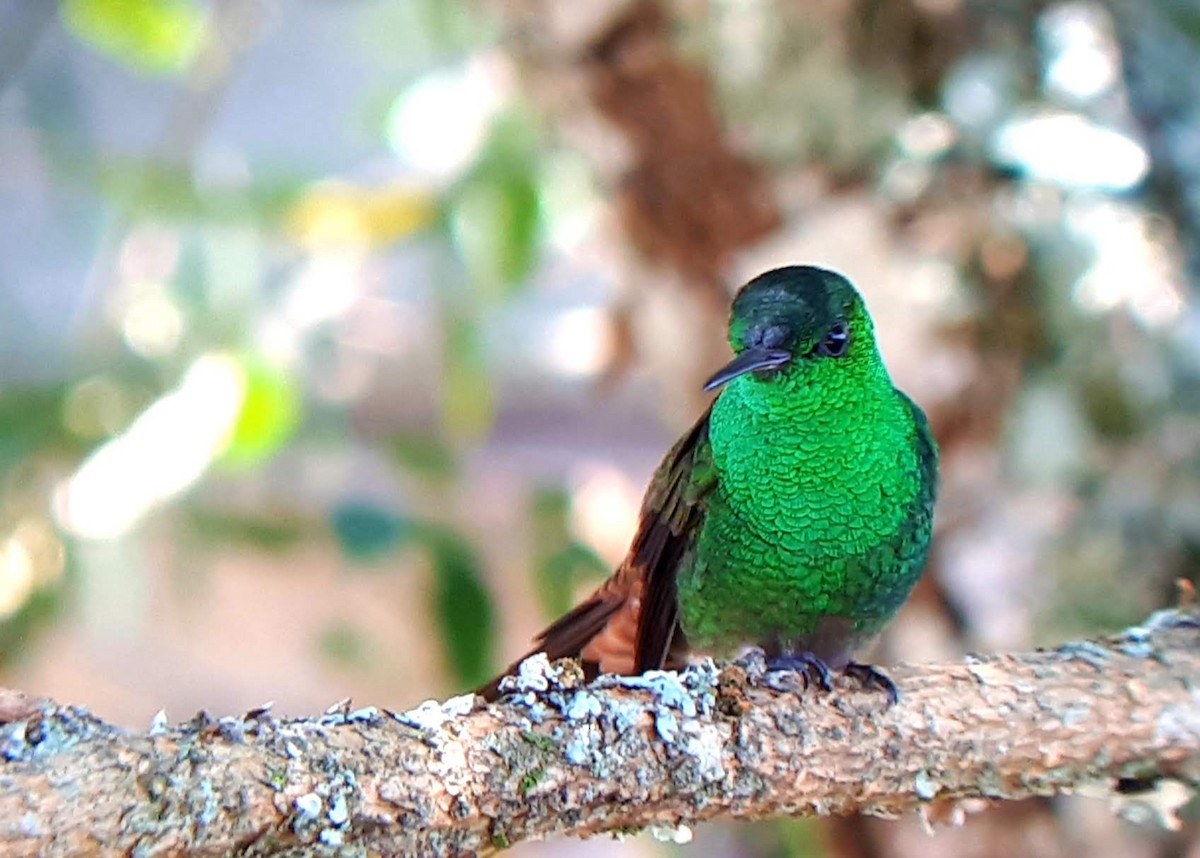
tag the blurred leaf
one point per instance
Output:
(467, 401)
(157, 36)
(333, 214)
(367, 531)
(268, 533)
(17, 630)
(408, 38)
(791, 838)
(345, 645)
(31, 420)
(425, 455)
(561, 561)
(495, 214)
(461, 605)
(494, 222)
(558, 574)
(451, 24)
(149, 187)
(269, 415)
(551, 513)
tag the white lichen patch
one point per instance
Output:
(667, 725)
(158, 724)
(452, 768)
(1089, 652)
(680, 834)
(1169, 618)
(925, 786)
(535, 673)
(208, 813)
(704, 744)
(625, 714)
(1179, 724)
(432, 714)
(666, 685)
(309, 804)
(370, 714)
(29, 825)
(582, 705)
(339, 811)
(341, 706)
(460, 705)
(583, 745)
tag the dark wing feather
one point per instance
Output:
(630, 624)
(672, 515)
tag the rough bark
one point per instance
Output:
(1118, 715)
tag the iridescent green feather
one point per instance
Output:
(819, 524)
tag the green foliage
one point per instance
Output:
(461, 606)
(365, 531)
(530, 779)
(562, 561)
(797, 838)
(269, 415)
(265, 531)
(38, 611)
(30, 420)
(450, 24)
(170, 191)
(539, 740)
(154, 36)
(559, 572)
(460, 603)
(495, 212)
(344, 645)
(424, 455)
(416, 34)
(467, 406)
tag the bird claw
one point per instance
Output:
(870, 676)
(812, 669)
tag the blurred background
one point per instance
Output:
(338, 340)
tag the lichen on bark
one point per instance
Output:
(1118, 716)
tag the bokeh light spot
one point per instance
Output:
(439, 124)
(163, 452)
(152, 326)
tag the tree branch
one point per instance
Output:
(1116, 715)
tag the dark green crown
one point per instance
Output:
(803, 300)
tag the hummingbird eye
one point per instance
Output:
(836, 341)
(774, 336)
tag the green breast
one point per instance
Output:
(818, 527)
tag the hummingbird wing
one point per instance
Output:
(630, 624)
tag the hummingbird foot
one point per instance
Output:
(870, 676)
(811, 668)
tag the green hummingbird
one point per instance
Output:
(795, 515)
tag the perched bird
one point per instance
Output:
(795, 515)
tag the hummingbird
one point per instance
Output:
(795, 515)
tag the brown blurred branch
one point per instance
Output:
(459, 778)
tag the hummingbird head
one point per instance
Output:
(796, 320)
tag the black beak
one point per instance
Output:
(751, 359)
